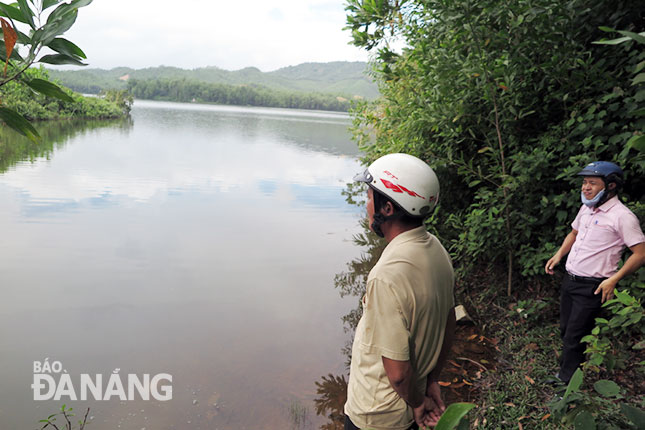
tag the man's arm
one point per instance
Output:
(633, 263)
(432, 386)
(564, 250)
(402, 378)
(401, 373)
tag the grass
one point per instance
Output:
(515, 393)
(525, 333)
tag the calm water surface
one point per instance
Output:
(198, 241)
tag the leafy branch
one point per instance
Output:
(44, 29)
(67, 414)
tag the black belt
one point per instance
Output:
(588, 279)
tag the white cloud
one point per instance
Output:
(198, 33)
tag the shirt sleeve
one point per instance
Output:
(385, 330)
(629, 229)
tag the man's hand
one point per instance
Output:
(632, 264)
(433, 391)
(606, 287)
(553, 261)
(427, 414)
(564, 250)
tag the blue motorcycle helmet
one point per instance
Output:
(604, 169)
(609, 173)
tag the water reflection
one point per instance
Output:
(330, 403)
(15, 148)
(332, 389)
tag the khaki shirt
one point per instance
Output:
(408, 296)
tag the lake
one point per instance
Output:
(195, 241)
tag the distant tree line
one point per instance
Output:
(183, 90)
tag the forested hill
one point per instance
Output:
(341, 78)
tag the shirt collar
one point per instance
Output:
(409, 235)
(609, 204)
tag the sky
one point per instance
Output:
(228, 34)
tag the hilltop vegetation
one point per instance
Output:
(340, 79)
(184, 90)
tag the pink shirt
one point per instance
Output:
(602, 235)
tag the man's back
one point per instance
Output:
(409, 294)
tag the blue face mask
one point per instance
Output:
(591, 203)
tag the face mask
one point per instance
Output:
(591, 203)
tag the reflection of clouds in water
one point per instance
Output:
(263, 168)
(297, 196)
(194, 148)
(267, 187)
(324, 197)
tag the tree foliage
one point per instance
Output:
(184, 90)
(507, 101)
(44, 22)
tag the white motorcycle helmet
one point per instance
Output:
(406, 180)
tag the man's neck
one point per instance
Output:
(395, 229)
(611, 196)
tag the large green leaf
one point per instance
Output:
(27, 13)
(66, 47)
(49, 3)
(49, 89)
(66, 8)
(635, 415)
(638, 37)
(17, 122)
(452, 415)
(59, 12)
(606, 388)
(574, 383)
(612, 41)
(640, 78)
(80, 3)
(639, 143)
(59, 26)
(60, 59)
(12, 13)
(584, 421)
(23, 38)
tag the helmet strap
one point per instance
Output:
(607, 192)
(379, 219)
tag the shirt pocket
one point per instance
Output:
(601, 234)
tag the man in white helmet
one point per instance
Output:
(405, 332)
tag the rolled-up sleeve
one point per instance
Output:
(385, 327)
(629, 230)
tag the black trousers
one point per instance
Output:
(579, 308)
(349, 425)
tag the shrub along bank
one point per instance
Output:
(36, 106)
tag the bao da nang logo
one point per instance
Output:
(52, 382)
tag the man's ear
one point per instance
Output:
(388, 209)
(612, 186)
